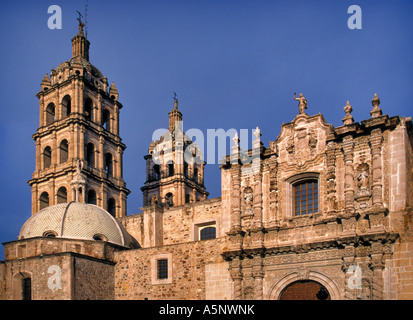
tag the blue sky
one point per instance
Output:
(233, 64)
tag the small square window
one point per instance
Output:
(161, 268)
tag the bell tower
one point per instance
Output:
(174, 167)
(79, 153)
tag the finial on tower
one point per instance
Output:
(81, 24)
(80, 45)
(376, 111)
(175, 116)
(175, 101)
(348, 118)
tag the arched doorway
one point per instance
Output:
(305, 290)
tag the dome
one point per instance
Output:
(86, 64)
(78, 221)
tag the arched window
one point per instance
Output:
(206, 233)
(62, 195)
(99, 237)
(47, 157)
(305, 197)
(106, 119)
(109, 164)
(157, 172)
(88, 109)
(91, 197)
(171, 170)
(50, 113)
(64, 151)
(66, 106)
(185, 169)
(44, 200)
(154, 199)
(195, 174)
(169, 199)
(49, 234)
(90, 154)
(112, 207)
(27, 288)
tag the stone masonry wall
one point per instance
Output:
(189, 277)
(43, 283)
(164, 226)
(93, 280)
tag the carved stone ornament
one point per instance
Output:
(303, 273)
(290, 146)
(312, 140)
(376, 111)
(348, 118)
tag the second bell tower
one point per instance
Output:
(174, 167)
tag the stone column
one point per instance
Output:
(81, 99)
(118, 170)
(104, 196)
(236, 197)
(55, 151)
(116, 120)
(82, 143)
(377, 266)
(38, 154)
(35, 199)
(273, 188)
(349, 275)
(258, 275)
(72, 142)
(75, 140)
(99, 110)
(201, 175)
(331, 177)
(236, 275)
(348, 146)
(101, 155)
(257, 200)
(123, 208)
(42, 121)
(376, 139)
(76, 98)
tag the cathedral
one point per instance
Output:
(321, 213)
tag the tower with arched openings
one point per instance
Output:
(79, 123)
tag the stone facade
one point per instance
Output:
(321, 213)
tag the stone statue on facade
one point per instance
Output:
(79, 167)
(302, 105)
(363, 179)
(248, 198)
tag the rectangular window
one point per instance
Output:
(306, 198)
(163, 269)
